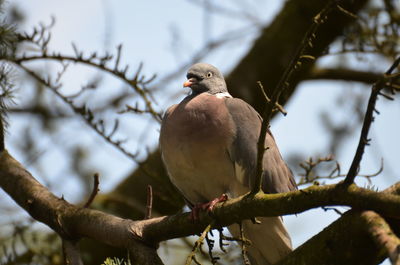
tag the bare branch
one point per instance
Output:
(343, 74)
(310, 176)
(149, 203)
(211, 243)
(368, 119)
(69, 221)
(228, 12)
(83, 112)
(197, 245)
(243, 245)
(133, 82)
(94, 191)
(272, 105)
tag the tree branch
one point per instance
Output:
(83, 112)
(141, 237)
(368, 119)
(271, 105)
(71, 253)
(343, 74)
(347, 241)
(69, 221)
(95, 190)
(272, 51)
(383, 235)
(134, 82)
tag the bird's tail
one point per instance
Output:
(270, 241)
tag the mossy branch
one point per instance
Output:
(141, 237)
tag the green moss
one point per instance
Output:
(115, 261)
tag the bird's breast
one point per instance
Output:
(201, 119)
(194, 140)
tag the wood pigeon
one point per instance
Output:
(209, 147)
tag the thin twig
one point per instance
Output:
(332, 209)
(149, 203)
(309, 175)
(272, 105)
(243, 245)
(210, 243)
(87, 115)
(121, 74)
(134, 109)
(197, 245)
(368, 119)
(95, 190)
(221, 240)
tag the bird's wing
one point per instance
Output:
(277, 177)
(164, 119)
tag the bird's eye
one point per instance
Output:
(209, 74)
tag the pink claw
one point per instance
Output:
(208, 206)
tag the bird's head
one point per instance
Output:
(203, 77)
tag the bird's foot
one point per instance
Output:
(208, 206)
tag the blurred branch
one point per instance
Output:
(335, 245)
(383, 235)
(371, 33)
(85, 113)
(310, 176)
(343, 74)
(243, 245)
(38, 110)
(149, 204)
(228, 12)
(100, 63)
(271, 53)
(107, 63)
(71, 253)
(201, 53)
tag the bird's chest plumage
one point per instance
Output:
(202, 122)
(195, 153)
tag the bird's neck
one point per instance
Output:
(223, 95)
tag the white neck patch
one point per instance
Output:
(223, 95)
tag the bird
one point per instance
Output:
(208, 145)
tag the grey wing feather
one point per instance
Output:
(163, 120)
(277, 177)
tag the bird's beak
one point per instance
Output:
(189, 82)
